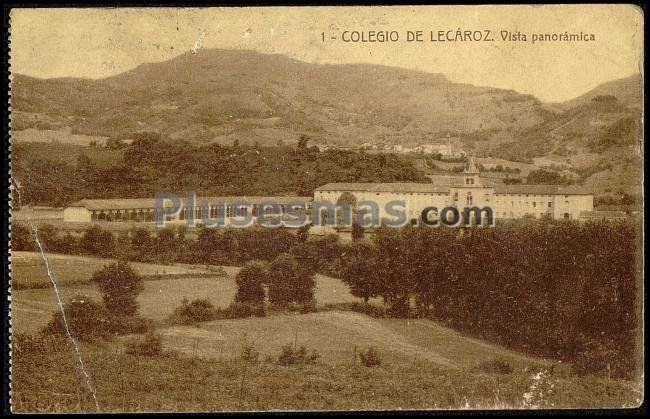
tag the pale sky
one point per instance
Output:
(97, 43)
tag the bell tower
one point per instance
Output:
(471, 174)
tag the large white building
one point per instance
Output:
(465, 191)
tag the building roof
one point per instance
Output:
(442, 184)
(107, 204)
(502, 188)
(394, 187)
(150, 203)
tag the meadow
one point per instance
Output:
(338, 336)
(33, 300)
(29, 272)
(56, 137)
(424, 365)
(43, 382)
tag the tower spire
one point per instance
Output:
(471, 166)
(471, 173)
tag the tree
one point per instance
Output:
(393, 264)
(21, 238)
(547, 177)
(166, 243)
(303, 140)
(68, 245)
(141, 243)
(289, 283)
(348, 204)
(358, 270)
(114, 143)
(357, 231)
(47, 234)
(98, 242)
(86, 320)
(303, 233)
(512, 180)
(119, 286)
(84, 172)
(250, 283)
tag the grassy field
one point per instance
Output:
(424, 365)
(165, 286)
(28, 269)
(45, 381)
(62, 136)
(336, 334)
(63, 147)
(38, 214)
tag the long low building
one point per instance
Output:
(465, 191)
(144, 209)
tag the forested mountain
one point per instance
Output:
(243, 97)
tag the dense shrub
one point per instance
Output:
(98, 242)
(238, 310)
(21, 238)
(250, 283)
(547, 177)
(495, 366)
(304, 308)
(202, 310)
(119, 285)
(199, 310)
(371, 310)
(290, 355)
(41, 344)
(289, 282)
(149, 345)
(126, 325)
(249, 353)
(86, 320)
(357, 271)
(370, 357)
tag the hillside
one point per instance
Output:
(221, 95)
(597, 142)
(336, 333)
(628, 90)
(227, 97)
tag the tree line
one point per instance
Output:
(551, 288)
(150, 165)
(557, 289)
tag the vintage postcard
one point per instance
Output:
(326, 208)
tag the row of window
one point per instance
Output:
(214, 212)
(337, 194)
(534, 204)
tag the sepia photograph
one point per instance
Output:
(333, 208)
